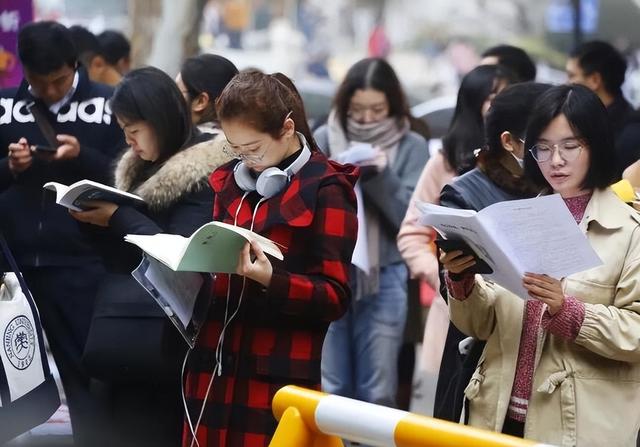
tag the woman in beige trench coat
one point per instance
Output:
(562, 366)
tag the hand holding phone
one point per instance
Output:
(19, 156)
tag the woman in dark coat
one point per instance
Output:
(167, 165)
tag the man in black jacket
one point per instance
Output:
(600, 67)
(56, 126)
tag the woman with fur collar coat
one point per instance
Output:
(178, 195)
(167, 164)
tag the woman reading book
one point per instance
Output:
(167, 165)
(267, 322)
(561, 365)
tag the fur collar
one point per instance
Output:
(183, 173)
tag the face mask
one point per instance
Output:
(520, 161)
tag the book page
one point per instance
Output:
(179, 289)
(166, 248)
(541, 235)
(175, 292)
(430, 209)
(60, 191)
(360, 256)
(536, 235)
(213, 248)
(357, 153)
(73, 196)
(465, 225)
(267, 245)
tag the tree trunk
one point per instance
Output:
(177, 34)
(145, 17)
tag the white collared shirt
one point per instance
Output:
(55, 108)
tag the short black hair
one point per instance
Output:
(149, 94)
(515, 59)
(597, 56)
(588, 119)
(375, 73)
(45, 47)
(86, 43)
(509, 112)
(207, 73)
(114, 46)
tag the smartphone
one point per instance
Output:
(45, 149)
(40, 116)
(448, 245)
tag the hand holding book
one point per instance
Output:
(215, 247)
(254, 264)
(459, 258)
(514, 237)
(97, 212)
(546, 289)
(77, 196)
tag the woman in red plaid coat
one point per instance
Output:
(277, 312)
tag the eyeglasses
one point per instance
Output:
(249, 152)
(568, 151)
(248, 155)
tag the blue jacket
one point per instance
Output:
(40, 232)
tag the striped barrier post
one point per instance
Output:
(313, 419)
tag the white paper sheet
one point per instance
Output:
(357, 153)
(176, 292)
(360, 257)
(533, 235)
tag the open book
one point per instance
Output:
(214, 247)
(179, 295)
(72, 196)
(532, 235)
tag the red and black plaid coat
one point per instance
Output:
(276, 337)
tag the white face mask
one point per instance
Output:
(519, 160)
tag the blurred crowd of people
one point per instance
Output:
(560, 366)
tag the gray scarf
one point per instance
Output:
(385, 134)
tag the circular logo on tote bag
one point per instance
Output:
(20, 342)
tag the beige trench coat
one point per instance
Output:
(585, 392)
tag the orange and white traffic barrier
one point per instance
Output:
(313, 419)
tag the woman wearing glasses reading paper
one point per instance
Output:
(267, 322)
(562, 367)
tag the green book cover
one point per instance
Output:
(214, 247)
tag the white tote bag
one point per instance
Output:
(28, 393)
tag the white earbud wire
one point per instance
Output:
(217, 370)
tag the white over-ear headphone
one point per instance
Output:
(272, 180)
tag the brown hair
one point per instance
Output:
(263, 101)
